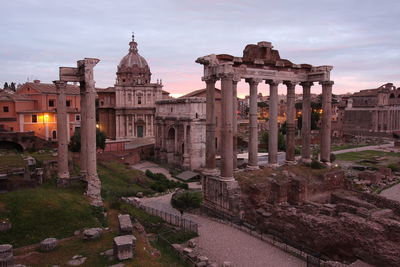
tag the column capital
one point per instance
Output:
(289, 84)
(306, 84)
(273, 82)
(226, 75)
(326, 83)
(236, 78)
(253, 80)
(210, 79)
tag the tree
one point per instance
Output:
(281, 140)
(75, 142)
(186, 200)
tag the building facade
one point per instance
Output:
(127, 110)
(181, 132)
(373, 112)
(33, 108)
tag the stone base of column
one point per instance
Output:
(93, 191)
(272, 165)
(305, 161)
(252, 168)
(64, 175)
(327, 164)
(211, 172)
(290, 162)
(83, 174)
(222, 196)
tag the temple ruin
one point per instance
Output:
(259, 63)
(83, 74)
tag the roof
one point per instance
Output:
(198, 92)
(4, 96)
(367, 92)
(187, 175)
(106, 90)
(47, 88)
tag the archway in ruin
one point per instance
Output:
(171, 145)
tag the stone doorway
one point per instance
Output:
(171, 145)
(139, 131)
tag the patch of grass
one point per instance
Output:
(367, 154)
(44, 212)
(348, 146)
(11, 160)
(119, 181)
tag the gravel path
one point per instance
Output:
(392, 192)
(221, 242)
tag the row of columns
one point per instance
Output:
(88, 159)
(229, 123)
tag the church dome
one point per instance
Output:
(133, 68)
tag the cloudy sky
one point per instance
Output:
(360, 38)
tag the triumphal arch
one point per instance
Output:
(259, 63)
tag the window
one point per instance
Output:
(77, 117)
(129, 97)
(68, 103)
(34, 118)
(51, 103)
(5, 109)
(139, 100)
(54, 135)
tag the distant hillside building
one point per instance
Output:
(33, 109)
(373, 112)
(127, 110)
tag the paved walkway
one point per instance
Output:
(221, 242)
(363, 148)
(392, 192)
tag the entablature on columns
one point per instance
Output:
(262, 62)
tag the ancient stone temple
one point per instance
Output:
(180, 132)
(373, 112)
(259, 63)
(127, 110)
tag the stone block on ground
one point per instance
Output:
(124, 247)
(117, 265)
(125, 224)
(203, 258)
(48, 244)
(191, 243)
(92, 233)
(77, 260)
(227, 264)
(177, 247)
(6, 255)
(187, 250)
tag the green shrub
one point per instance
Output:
(333, 157)
(394, 167)
(315, 164)
(186, 200)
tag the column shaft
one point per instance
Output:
(253, 125)
(326, 121)
(273, 123)
(91, 130)
(210, 124)
(227, 129)
(235, 126)
(306, 122)
(83, 133)
(290, 126)
(62, 128)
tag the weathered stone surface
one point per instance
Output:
(92, 233)
(227, 264)
(6, 255)
(177, 247)
(77, 260)
(187, 250)
(192, 243)
(125, 224)
(124, 247)
(48, 244)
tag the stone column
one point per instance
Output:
(326, 121)
(185, 147)
(93, 182)
(83, 131)
(290, 126)
(210, 125)
(235, 126)
(253, 125)
(273, 124)
(306, 123)
(227, 121)
(62, 133)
